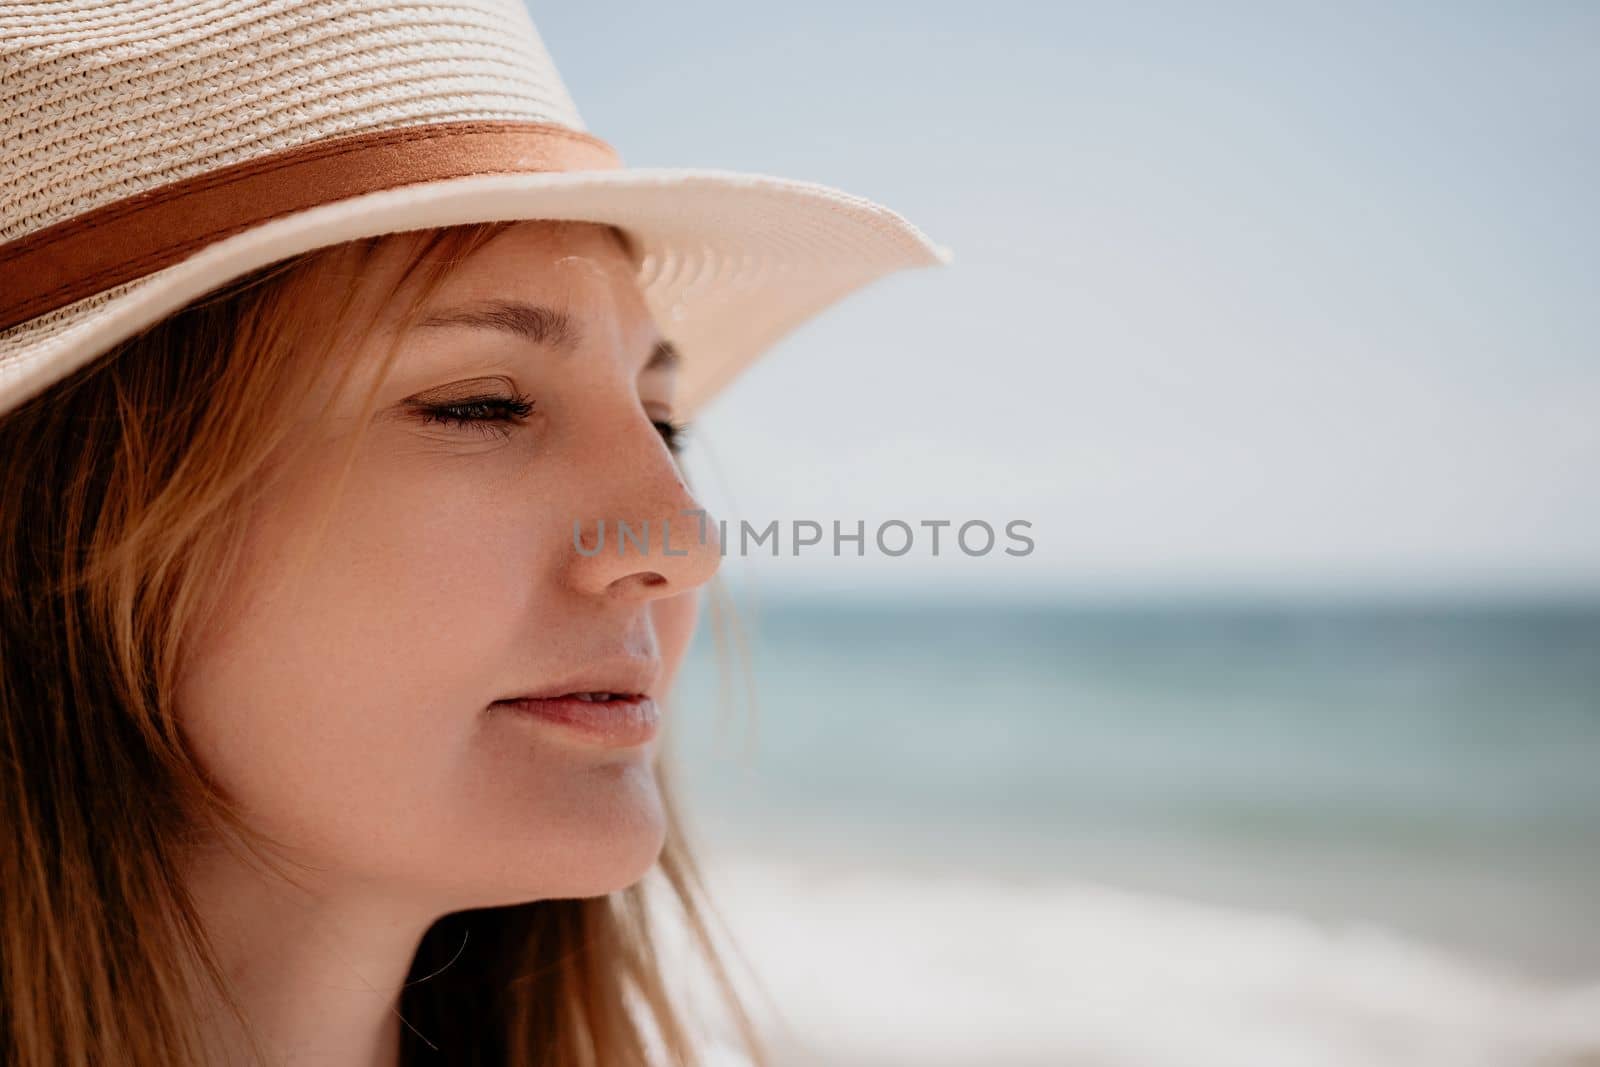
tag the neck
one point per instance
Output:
(317, 970)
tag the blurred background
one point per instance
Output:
(1277, 322)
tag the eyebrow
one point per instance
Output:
(536, 323)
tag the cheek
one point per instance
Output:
(410, 589)
(338, 701)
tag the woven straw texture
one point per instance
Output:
(104, 100)
(101, 100)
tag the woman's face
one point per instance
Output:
(350, 709)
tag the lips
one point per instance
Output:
(621, 721)
(609, 704)
(626, 677)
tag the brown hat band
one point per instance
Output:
(125, 240)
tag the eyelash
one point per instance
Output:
(507, 410)
(501, 410)
(673, 433)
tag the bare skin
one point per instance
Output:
(350, 711)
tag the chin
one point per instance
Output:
(624, 839)
(616, 869)
(602, 845)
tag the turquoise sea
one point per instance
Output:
(1422, 773)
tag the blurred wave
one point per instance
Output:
(1296, 834)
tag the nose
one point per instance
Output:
(649, 536)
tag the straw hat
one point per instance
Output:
(151, 150)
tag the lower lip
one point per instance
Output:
(612, 723)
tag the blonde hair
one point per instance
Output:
(124, 492)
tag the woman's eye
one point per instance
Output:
(495, 415)
(673, 434)
(489, 415)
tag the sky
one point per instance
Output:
(1246, 297)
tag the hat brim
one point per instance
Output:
(730, 262)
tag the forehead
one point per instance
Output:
(582, 268)
(582, 271)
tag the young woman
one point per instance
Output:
(330, 730)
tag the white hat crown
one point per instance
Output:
(100, 101)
